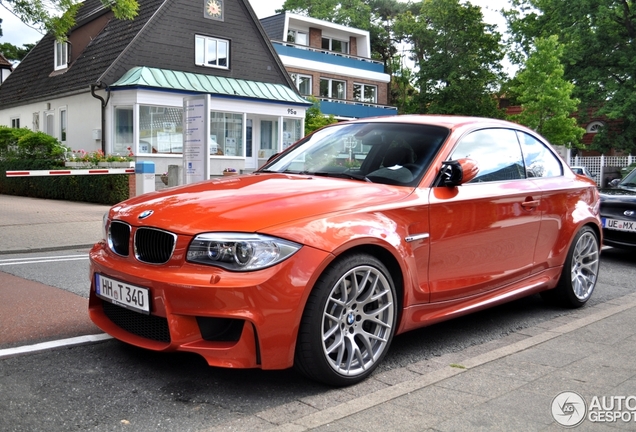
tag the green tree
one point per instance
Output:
(58, 16)
(599, 42)
(12, 52)
(403, 94)
(457, 55)
(546, 97)
(314, 118)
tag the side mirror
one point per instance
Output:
(457, 172)
(614, 182)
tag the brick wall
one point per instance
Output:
(132, 186)
(353, 45)
(315, 37)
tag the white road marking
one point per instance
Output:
(80, 340)
(40, 260)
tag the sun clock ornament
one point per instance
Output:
(213, 9)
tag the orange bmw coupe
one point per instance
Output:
(356, 233)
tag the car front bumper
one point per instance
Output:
(232, 319)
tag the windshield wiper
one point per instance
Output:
(332, 174)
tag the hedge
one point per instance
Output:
(23, 150)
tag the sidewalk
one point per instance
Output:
(31, 312)
(514, 383)
(28, 224)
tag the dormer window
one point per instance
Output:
(212, 52)
(61, 55)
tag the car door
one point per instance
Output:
(483, 233)
(558, 196)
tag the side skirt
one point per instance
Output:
(426, 314)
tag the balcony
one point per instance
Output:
(328, 61)
(353, 109)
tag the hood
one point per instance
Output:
(618, 194)
(251, 203)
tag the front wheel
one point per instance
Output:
(348, 323)
(580, 271)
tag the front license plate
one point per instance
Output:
(619, 225)
(123, 294)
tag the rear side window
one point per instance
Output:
(496, 152)
(539, 160)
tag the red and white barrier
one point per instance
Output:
(41, 173)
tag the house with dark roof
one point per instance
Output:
(333, 63)
(121, 85)
(5, 68)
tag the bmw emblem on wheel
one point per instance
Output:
(145, 214)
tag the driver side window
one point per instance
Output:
(496, 152)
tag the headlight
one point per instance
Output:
(240, 252)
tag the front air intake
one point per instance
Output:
(146, 326)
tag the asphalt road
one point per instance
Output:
(111, 386)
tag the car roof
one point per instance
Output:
(448, 121)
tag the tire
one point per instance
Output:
(580, 272)
(343, 337)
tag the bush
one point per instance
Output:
(16, 144)
(626, 170)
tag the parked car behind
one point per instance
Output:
(618, 213)
(581, 170)
(358, 232)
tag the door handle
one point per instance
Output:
(530, 204)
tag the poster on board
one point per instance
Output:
(196, 160)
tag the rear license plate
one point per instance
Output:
(619, 225)
(123, 294)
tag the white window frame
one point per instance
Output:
(15, 122)
(295, 33)
(61, 55)
(362, 92)
(63, 126)
(202, 43)
(330, 87)
(595, 127)
(49, 130)
(346, 43)
(296, 78)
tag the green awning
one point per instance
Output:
(200, 83)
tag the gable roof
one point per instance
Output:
(161, 36)
(4, 63)
(200, 83)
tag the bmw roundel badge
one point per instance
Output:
(144, 214)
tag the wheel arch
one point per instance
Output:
(392, 265)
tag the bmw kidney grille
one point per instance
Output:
(154, 246)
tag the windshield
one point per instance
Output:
(390, 153)
(629, 182)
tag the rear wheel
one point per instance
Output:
(580, 271)
(348, 323)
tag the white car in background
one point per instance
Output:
(581, 170)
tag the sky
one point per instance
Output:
(18, 33)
